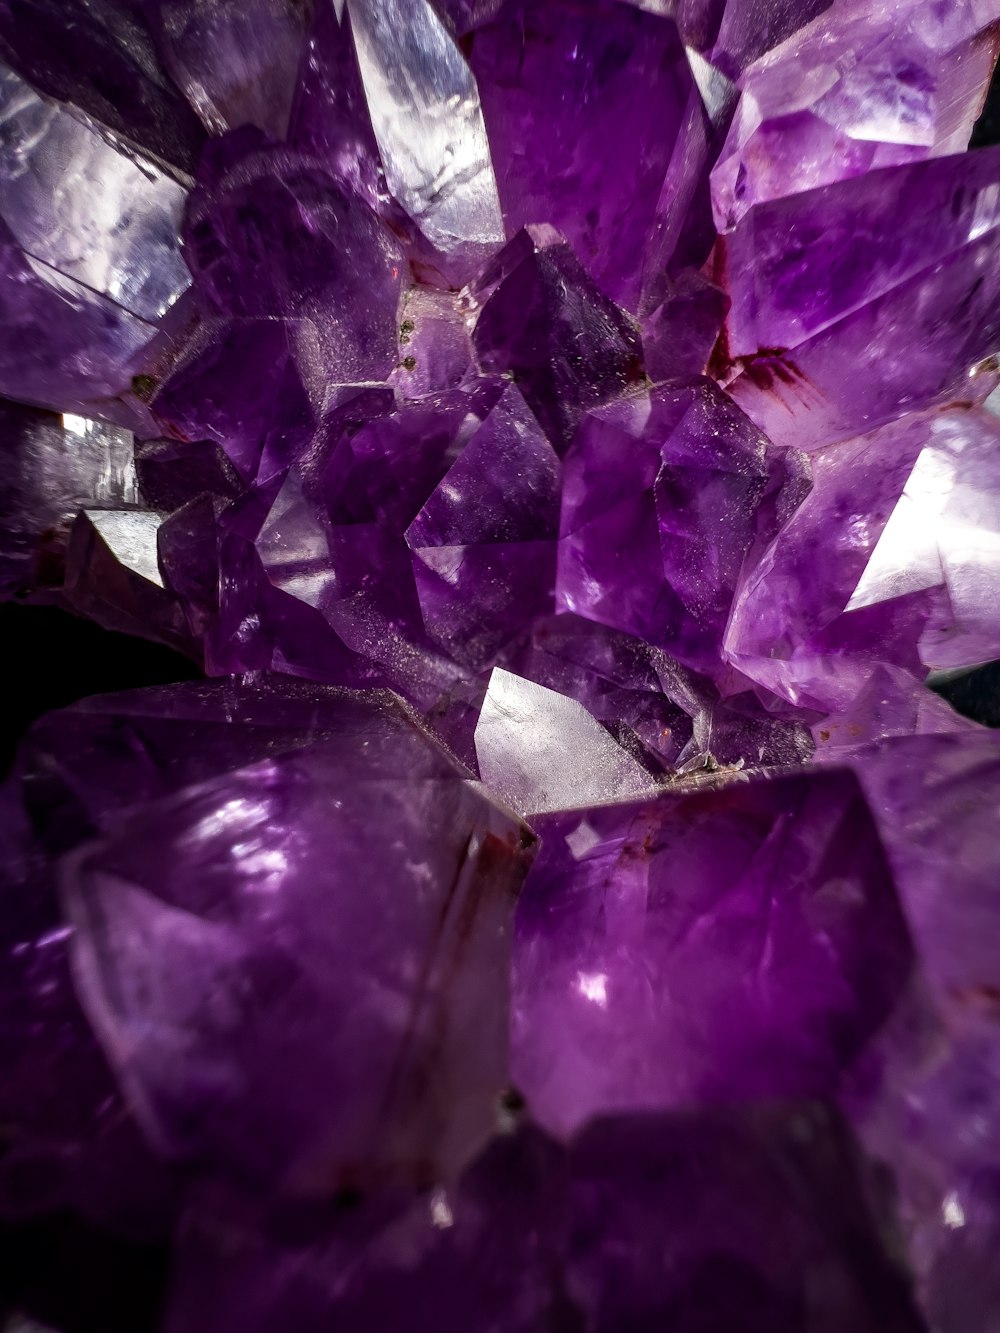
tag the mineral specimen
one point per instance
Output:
(564, 437)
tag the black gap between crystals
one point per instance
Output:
(975, 694)
(986, 130)
(54, 659)
(105, 1285)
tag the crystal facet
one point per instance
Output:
(719, 945)
(564, 436)
(268, 958)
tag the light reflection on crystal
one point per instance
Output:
(541, 751)
(467, 398)
(428, 122)
(95, 214)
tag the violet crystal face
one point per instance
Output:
(563, 440)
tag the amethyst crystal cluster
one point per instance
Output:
(564, 434)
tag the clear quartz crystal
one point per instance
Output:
(89, 209)
(428, 121)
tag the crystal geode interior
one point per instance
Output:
(563, 439)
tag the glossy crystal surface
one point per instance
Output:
(563, 438)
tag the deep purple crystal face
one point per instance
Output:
(565, 436)
(667, 496)
(562, 78)
(678, 1217)
(544, 323)
(737, 944)
(295, 1026)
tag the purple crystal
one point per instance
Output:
(936, 1115)
(112, 576)
(188, 558)
(109, 223)
(334, 535)
(891, 702)
(857, 92)
(544, 323)
(244, 889)
(101, 56)
(642, 698)
(667, 495)
(428, 123)
(931, 796)
(723, 945)
(484, 543)
(795, 266)
(237, 63)
(682, 328)
(154, 742)
(77, 770)
(435, 350)
(747, 28)
(89, 259)
(891, 560)
(562, 78)
(238, 382)
(172, 472)
(804, 315)
(457, 1258)
(329, 114)
(742, 1220)
(99, 345)
(60, 1152)
(329, 258)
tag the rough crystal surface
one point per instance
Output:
(544, 323)
(329, 258)
(484, 543)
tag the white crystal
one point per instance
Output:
(539, 750)
(77, 205)
(428, 121)
(131, 536)
(945, 531)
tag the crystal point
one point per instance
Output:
(428, 123)
(562, 78)
(541, 751)
(544, 323)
